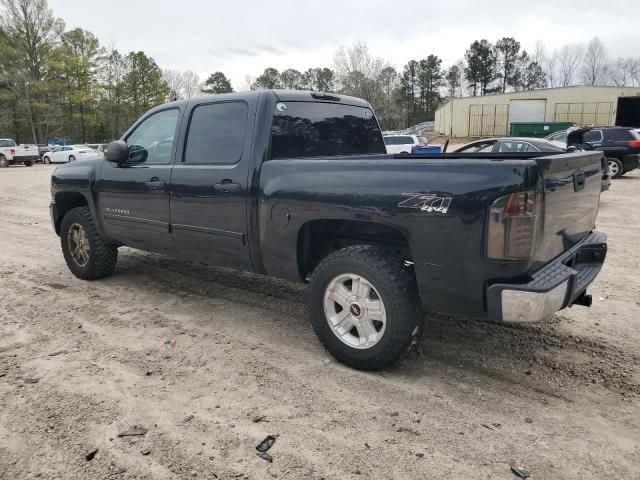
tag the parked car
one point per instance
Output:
(42, 149)
(102, 149)
(297, 185)
(526, 145)
(13, 154)
(403, 143)
(510, 145)
(621, 145)
(68, 153)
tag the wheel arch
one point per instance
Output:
(66, 201)
(320, 237)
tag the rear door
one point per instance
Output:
(210, 185)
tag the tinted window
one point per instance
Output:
(314, 129)
(216, 133)
(619, 135)
(153, 138)
(515, 147)
(390, 141)
(478, 147)
(592, 136)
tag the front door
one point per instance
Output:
(210, 186)
(133, 198)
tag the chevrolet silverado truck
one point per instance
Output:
(12, 154)
(297, 185)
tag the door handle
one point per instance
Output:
(227, 187)
(154, 183)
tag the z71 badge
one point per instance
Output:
(427, 202)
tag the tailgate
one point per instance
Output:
(25, 151)
(572, 184)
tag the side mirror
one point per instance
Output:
(118, 152)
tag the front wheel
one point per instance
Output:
(3, 161)
(87, 255)
(615, 167)
(47, 161)
(364, 307)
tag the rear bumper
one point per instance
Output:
(630, 162)
(559, 284)
(26, 158)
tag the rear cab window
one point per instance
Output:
(318, 129)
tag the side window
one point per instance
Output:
(592, 136)
(216, 133)
(515, 147)
(482, 147)
(531, 148)
(619, 135)
(153, 139)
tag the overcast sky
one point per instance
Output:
(242, 38)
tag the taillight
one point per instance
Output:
(13, 151)
(513, 219)
(634, 143)
(82, 151)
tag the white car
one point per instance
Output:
(68, 153)
(403, 143)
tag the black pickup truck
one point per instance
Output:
(297, 185)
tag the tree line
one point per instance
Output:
(63, 83)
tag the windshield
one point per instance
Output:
(7, 143)
(315, 129)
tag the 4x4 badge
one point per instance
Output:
(427, 202)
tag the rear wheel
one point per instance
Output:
(72, 158)
(87, 255)
(364, 307)
(3, 161)
(28, 164)
(615, 167)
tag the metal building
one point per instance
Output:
(492, 115)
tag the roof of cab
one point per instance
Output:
(280, 95)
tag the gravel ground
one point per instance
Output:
(559, 398)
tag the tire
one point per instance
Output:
(46, 160)
(390, 282)
(4, 163)
(72, 158)
(615, 167)
(28, 164)
(101, 257)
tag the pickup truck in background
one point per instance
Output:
(12, 154)
(297, 185)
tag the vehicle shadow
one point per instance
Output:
(539, 355)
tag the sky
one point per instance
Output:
(240, 38)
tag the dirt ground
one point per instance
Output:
(559, 398)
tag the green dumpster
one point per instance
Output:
(537, 129)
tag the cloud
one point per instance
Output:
(206, 36)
